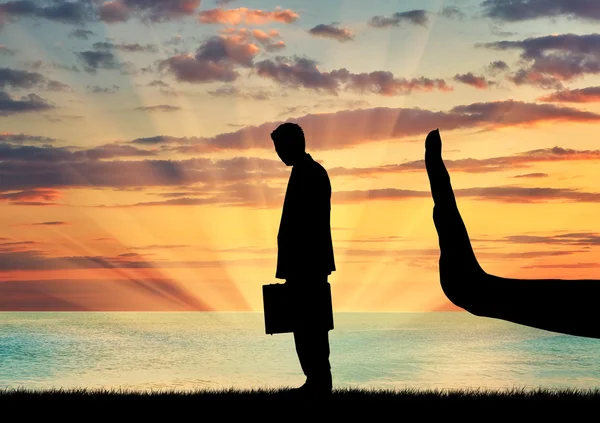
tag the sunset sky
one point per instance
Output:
(137, 171)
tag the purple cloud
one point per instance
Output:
(415, 17)
(522, 10)
(332, 31)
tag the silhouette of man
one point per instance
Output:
(305, 254)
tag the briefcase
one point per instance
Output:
(288, 308)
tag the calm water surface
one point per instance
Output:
(220, 350)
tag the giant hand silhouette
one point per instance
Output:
(558, 305)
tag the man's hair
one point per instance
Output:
(289, 132)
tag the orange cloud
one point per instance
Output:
(262, 35)
(478, 82)
(584, 95)
(502, 194)
(244, 36)
(97, 295)
(247, 16)
(36, 196)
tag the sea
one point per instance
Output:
(185, 351)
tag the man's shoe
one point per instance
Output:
(312, 390)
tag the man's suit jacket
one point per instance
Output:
(305, 247)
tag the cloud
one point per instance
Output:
(525, 254)
(522, 10)
(20, 79)
(475, 81)
(332, 31)
(58, 86)
(242, 194)
(497, 67)
(15, 245)
(7, 51)
(497, 31)
(97, 89)
(554, 59)
(68, 12)
(377, 194)
(588, 239)
(348, 128)
(113, 12)
(189, 69)
(82, 34)
(20, 155)
(583, 95)
(61, 118)
(158, 83)
(131, 48)
(175, 40)
(243, 36)
(147, 10)
(384, 83)
(267, 39)
(510, 112)
(247, 16)
(108, 151)
(532, 175)
(159, 108)
(434, 253)
(178, 194)
(492, 164)
(164, 87)
(452, 12)
(303, 72)
(52, 223)
(230, 91)
(503, 194)
(94, 60)
(34, 196)
(28, 259)
(562, 266)
(232, 48)
(30, 167)
(164, 139)
(215, 60)
(415, 17)
(40, 65)
(512, 194)
(21, 138)
(177, 202)
(133, 287)
(161, 247)
(28, 103)
(125, 294)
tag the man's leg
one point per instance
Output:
(313, 351)
(322, 365)
(302, 341)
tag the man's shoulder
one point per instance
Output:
(317, 167)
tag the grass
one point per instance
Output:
(480, 403)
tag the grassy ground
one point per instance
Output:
(480, 404)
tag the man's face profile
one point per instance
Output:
(283, 150)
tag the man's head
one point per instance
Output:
(289, 142)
